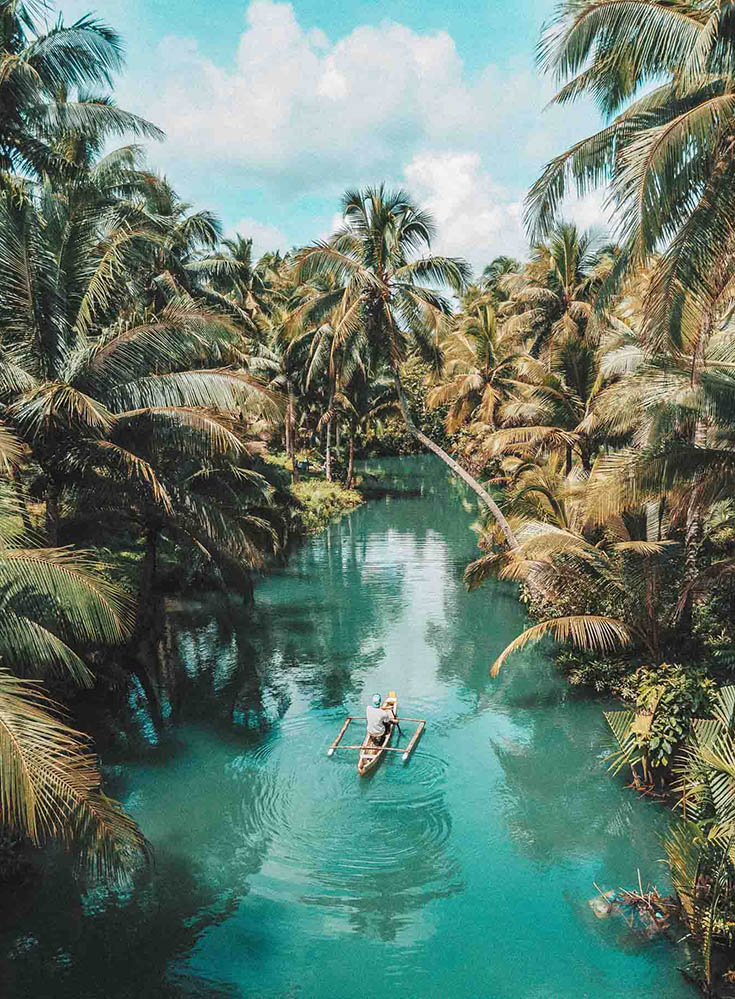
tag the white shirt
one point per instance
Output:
(377, 720)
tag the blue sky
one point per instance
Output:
(272, 109)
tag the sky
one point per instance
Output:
(273, 109)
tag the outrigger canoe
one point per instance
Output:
(373, 749)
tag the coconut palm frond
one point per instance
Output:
(82, 599)
(603, 634)
(50, 786)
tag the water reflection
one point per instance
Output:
(279, 873)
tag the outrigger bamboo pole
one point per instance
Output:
(341, 732)
(383, 749)
(414, 740)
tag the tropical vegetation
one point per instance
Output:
(172, 409)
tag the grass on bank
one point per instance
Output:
(318, 502)
(322, 502)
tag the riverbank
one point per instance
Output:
(263, 883)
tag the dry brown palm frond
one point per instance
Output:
(530, 408)
(644, 548)
(547, 541)
(614, 486)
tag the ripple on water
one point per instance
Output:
(343, 837)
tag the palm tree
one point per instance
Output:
(564, 569)
(495, 270)
(380, 294)
(296, 353)
(480, 367)
(256, 287)
(50, 785)
(550, 298)
(555, 407)
(701, 848)
(183, 256)
(674, 417)
(38, 70)
(52, 601)
(366, 399)
(666, 155)
(86, 374)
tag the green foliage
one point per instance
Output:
(321, 502)
(390, 436)
(676, 695)
(604, 675)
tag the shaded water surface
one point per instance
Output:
(280, 873)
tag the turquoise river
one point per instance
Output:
(280, 874)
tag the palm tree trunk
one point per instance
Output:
(693, 537)
(652, 630)
(52, 513)
(291, 430)
(328, 451)
(584, 448)
(350, 462)
(148, 570)
(455, 466)
(147, 627)
(21, 497)
(328, 447)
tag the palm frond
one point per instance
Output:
(586, 631)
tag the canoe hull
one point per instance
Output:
(373, 751)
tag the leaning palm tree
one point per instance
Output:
(380, 292)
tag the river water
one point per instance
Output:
(280, 873)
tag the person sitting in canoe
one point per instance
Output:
(378, 718)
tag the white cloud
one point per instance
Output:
(296, 114)
(476, 218)
(265, 237)
(296, 107)
(589, 212)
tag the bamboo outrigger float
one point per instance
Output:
(371, 750)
